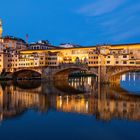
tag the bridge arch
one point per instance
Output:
(116, 73)
(64, 73)
(27, 73)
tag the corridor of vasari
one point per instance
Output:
(70, 70)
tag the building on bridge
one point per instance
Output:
(115, 55)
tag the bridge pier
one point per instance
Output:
(103, 76)
(54, 78)
(106, 74)
(115, 79)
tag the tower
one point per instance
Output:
(0, 28)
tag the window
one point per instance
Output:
(108, 62)
(117, 62)
(132, 62)
(124, 62)
(124, 56)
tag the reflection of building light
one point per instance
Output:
(1, 117)
(67, 100)
(129, 76)
(60, 101)
(123, 77)
(89, 80)
(75, 84)
(134, 77)
(86, 106)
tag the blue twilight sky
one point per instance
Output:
(85, 22)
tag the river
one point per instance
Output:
(77, 109)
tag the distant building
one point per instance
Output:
(69, 45)
(13, 42)
(9, 59)
(9, 52)
(41, 45)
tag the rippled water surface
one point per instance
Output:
(77, 109)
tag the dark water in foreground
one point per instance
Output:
(80, 109)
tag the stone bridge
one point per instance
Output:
(62, 72)
(105, 74)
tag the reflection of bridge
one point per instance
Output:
(106, 74)
(105, 103)
(114, 73)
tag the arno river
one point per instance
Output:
(78, 109)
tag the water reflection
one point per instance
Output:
(131, 82)
(79, 95)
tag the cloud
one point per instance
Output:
(126, 35)
(125, 25)
(112, 21)
(100, 7)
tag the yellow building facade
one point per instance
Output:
(115, 55)
(93, 56)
